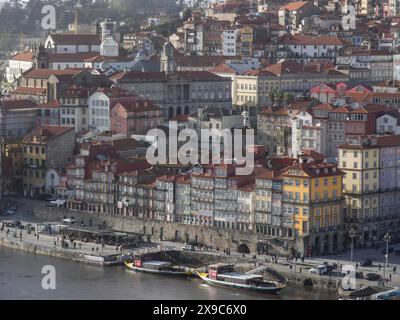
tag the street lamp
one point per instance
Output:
(352, 234)
(387, 239)
(337, 276)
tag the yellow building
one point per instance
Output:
(13, 154)
(312, 193)
(360, 160)
(246, 41)
(46, 147)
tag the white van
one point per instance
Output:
(320, 269)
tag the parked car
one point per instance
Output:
(9, 212)
(373, 277)
(320, 269)
(366, 263)
(189, 247)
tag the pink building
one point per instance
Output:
(135, 117)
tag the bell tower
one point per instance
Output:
(167, 59)
(40, 58)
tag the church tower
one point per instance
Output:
(167, 59)
(40, 58)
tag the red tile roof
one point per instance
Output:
(138, 105)
(47, 131)
(46, 73)
(29, 91)
(18, 104)
(294, 5)
(314, 170)
(222, 68)
(50, 105)
(23, 56)
(310, 40)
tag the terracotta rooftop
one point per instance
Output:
(18, 104)
(50, 105)
(47, 131)
(46, 73)
(310, 40)
(294, 5)
(29, 91)
(23, 56)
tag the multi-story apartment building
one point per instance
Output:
(135, 117)
(210, 37)
(274, 126)
(17, 117)
(308, 133)
(49, 113)
(102, 185)
(253, 87)
(18, 64)
(245, 208)
(202, 199)
(183, 201)
(290, 15)
(312, 193)
(268, 213)
(135, 193)
(370, 187)
(164, 198)
(230, 42)
(100, 104)
(246, 41)
(305, 47)
(379, 63)
(46, 147)
(74, 108)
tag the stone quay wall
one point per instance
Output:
(14, 243)
(155, 230)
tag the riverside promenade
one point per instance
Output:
(296, 271)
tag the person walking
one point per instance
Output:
(379, 267)
(394, 269)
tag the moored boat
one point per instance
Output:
(225, 276)
(99, 260)
(157, 267)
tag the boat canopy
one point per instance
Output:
(243, 276)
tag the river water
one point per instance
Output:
(21, 277)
